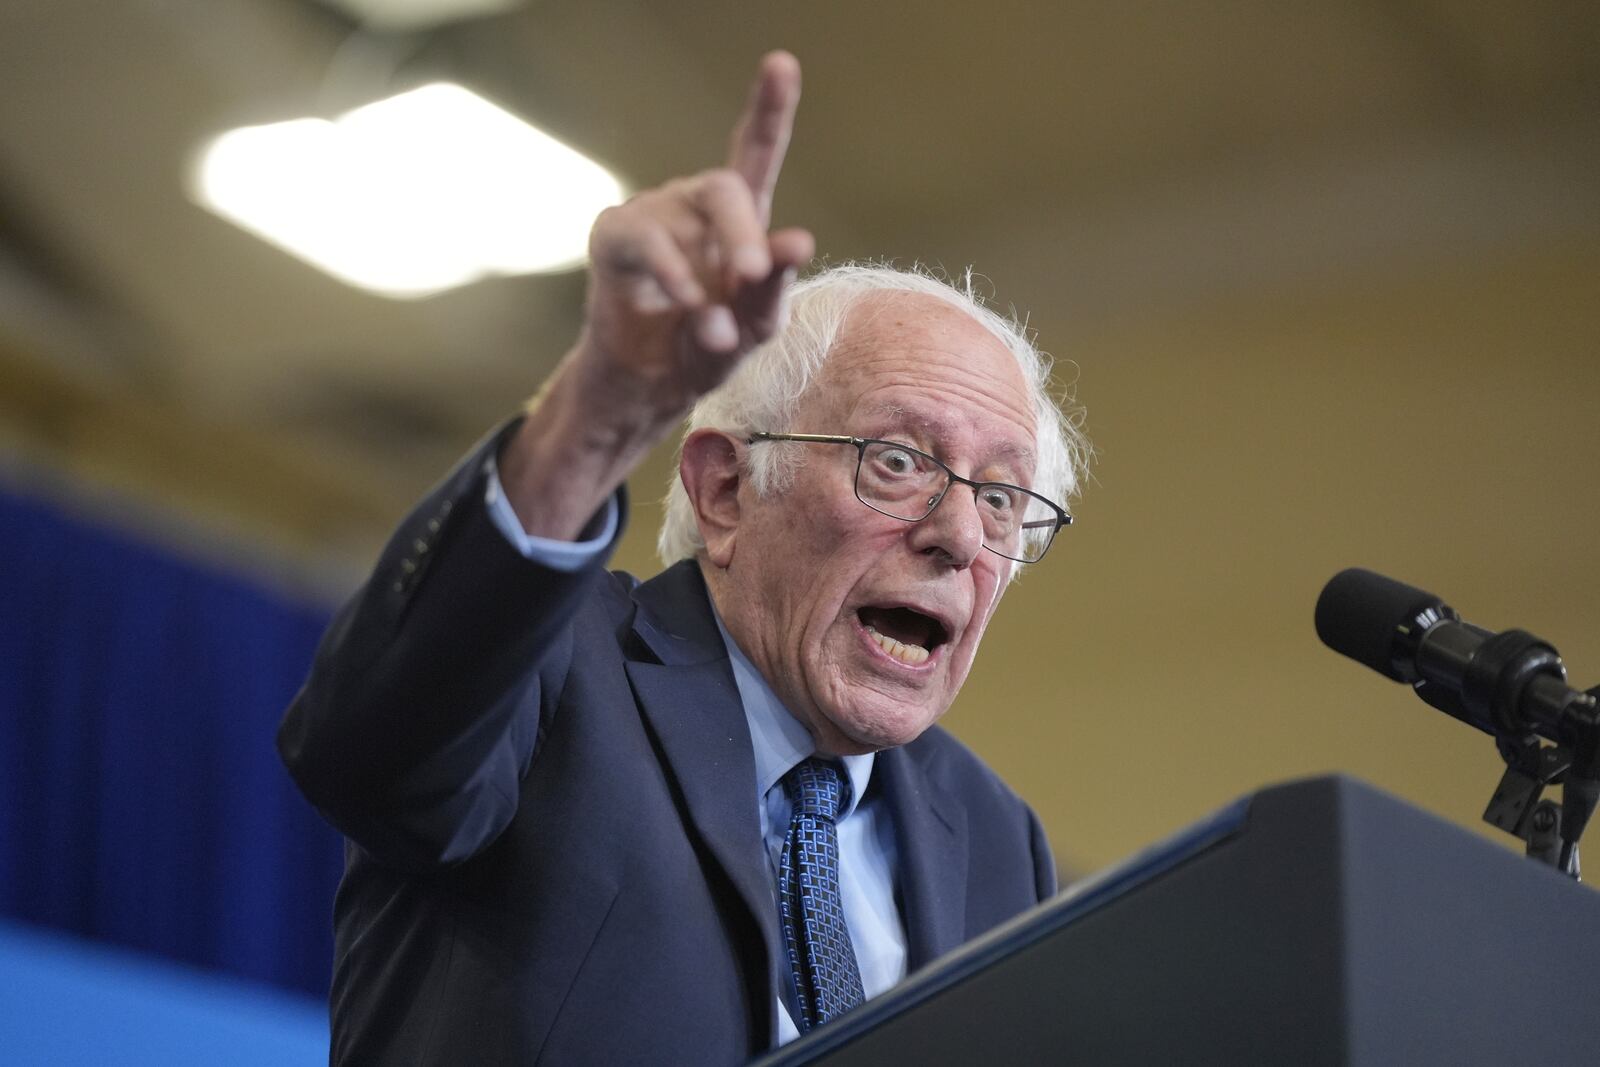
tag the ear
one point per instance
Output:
(710, 473)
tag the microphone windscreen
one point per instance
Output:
(1359, 614)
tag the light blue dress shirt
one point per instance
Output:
(866, 834)
(866, 837)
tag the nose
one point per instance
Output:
(954, 530)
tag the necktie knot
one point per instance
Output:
(817, 788)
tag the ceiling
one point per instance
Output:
(1175, 193)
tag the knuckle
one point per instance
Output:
(721, 183)
(616, 225)
(639, 208)
(625, 243)
(675, 189)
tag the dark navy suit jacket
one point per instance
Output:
(548, 790)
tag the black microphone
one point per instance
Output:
(1508, 684)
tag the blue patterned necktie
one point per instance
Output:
(821, 957)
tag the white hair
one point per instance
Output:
(766, 389)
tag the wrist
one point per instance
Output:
(578, 441)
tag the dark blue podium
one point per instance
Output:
(1320, 922)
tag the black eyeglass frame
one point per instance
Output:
(1063, 518)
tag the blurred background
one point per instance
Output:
(1325, 276)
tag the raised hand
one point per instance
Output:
(685, 279)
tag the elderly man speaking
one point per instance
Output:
(597, 821)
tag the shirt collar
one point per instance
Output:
(780, 740)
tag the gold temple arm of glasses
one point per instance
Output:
(825, 438)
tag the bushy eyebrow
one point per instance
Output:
(936, 428)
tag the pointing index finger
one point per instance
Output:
(760, 139)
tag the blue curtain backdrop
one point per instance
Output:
(143, 801)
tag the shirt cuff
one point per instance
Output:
(565, 556)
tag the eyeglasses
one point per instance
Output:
(905, 483)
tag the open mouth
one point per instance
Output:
(906, 635)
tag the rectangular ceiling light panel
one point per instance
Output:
(408, 196)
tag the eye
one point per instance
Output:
(896, 461)
(998, 498)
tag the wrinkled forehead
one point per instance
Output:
(921, 363)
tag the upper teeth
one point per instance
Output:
(898, 649)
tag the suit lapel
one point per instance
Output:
(692, 706)
(931, 839)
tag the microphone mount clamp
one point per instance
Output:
(1551, 830)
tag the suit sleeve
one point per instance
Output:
(432, 686)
